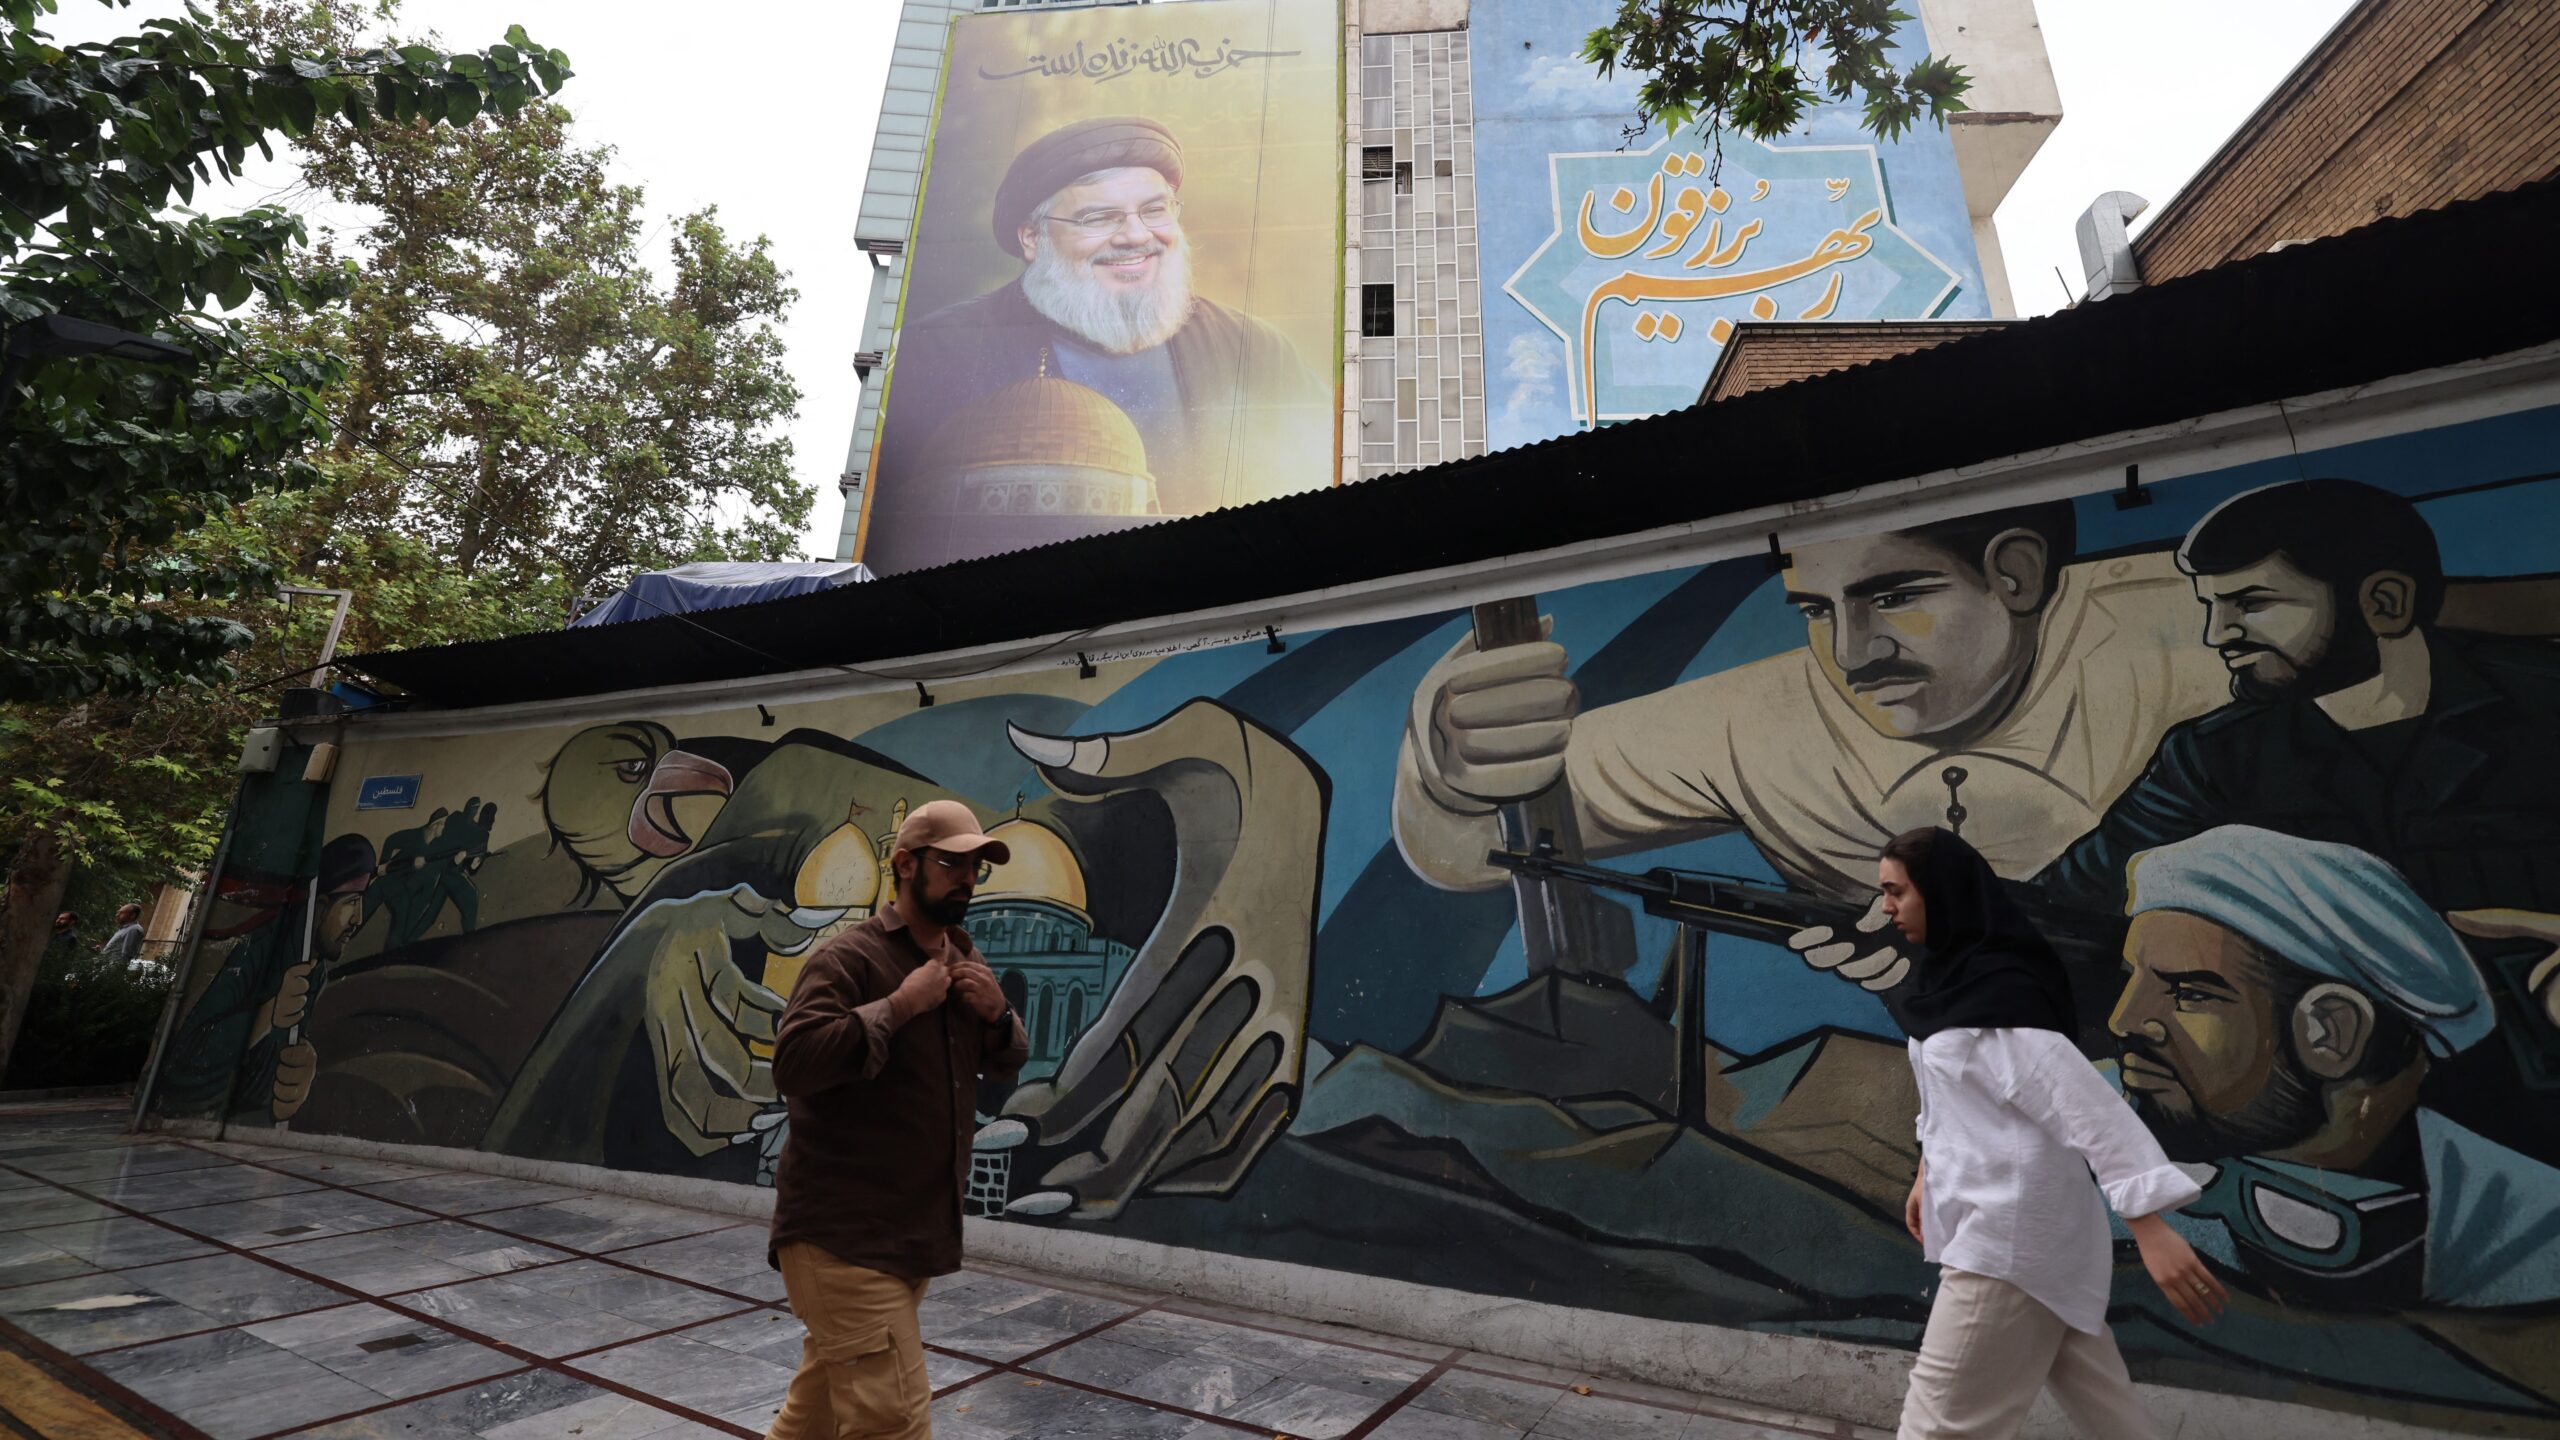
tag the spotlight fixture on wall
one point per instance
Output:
(1084, 667)
(764, 717)
(924, 697)
(1277, 646)
(1778, 559)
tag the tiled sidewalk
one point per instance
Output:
(248, 1292)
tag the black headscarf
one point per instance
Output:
(1983, 964)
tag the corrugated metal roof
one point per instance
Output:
(2396, 296)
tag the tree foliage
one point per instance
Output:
(103, 464)
(563, 413)
(89, 1022)
(519, 409)
(135, 548)
(1743, 64)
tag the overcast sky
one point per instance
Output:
(765, 109)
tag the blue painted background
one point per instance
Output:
(1536, 98)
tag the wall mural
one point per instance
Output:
(2270, 756)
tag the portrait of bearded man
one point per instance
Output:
(1093, 211)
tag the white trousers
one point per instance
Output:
(1991, 1346)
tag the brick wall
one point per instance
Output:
(1760, 356)
(2406, 106)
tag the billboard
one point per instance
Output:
(1617, 263)
(1123, 288)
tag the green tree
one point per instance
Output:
(111, 612)
(522, 412)
(562, 415)
(1742, 64)
(106, 799)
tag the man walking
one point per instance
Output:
(126, 944)
(889, 1029)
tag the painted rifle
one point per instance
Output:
(1564, 929)
(2091, 945)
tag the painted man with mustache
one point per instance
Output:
(1968, 647)
(2288, 1001)
(1094, 212)
(1963, 673)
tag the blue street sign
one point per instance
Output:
(388, 792)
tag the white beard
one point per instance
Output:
(1113, 318)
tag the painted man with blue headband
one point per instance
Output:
(2287, 1000)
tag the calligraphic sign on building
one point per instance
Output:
(1625, 257)
(1655, 250)
(1123, 294)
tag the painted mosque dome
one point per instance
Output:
(844, 870)
(1043, 446)
(1042, 869)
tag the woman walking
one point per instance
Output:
(2013, 1122)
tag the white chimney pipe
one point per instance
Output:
(2106, 254)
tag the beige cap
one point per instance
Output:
(948, 825)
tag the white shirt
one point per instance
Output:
(2012, 1125)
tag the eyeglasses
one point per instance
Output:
(1155, 215)
(980, 869)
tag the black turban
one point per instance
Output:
(344, 862)
(1063, 156)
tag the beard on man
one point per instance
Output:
(1100, 362)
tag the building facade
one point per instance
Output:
(2406, 105)
(1471, 319)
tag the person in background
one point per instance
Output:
(2013, 1121)
(65, 940)
(125, 945)
(890, 1026)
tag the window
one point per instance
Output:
(1377, 162)
(1404, 177)
(1377, 309)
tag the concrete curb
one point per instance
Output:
(1801, 1374)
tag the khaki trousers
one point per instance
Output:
(862, 1365)
(1991, 1346)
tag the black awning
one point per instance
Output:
(2400, 295)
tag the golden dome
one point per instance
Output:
(1043, 421)
(842, 871)
(1042, 868)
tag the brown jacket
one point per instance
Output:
(880, 1120)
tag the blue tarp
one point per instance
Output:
(716, 584)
